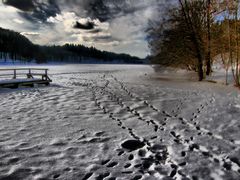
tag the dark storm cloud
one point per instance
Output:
(98, 9)
(24, 5)
(35, 10)
(104, 10)
(41, 10)
(88, 8)
(85, 26)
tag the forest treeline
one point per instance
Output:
(15, 46)
(193, 33)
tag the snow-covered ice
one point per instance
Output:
(120, 122)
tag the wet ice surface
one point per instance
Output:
(119, 122)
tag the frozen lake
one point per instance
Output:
(121, 122)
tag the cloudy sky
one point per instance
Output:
(112, 25)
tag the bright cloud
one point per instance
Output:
(118, 26)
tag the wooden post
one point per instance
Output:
(46, 74)
(29, 75)
(14, 74)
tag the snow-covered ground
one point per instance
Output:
(120, 122)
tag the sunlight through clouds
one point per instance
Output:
(118, 26)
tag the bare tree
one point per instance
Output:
(196, 32)
(194, 14)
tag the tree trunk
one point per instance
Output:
(229, 43)
(200, 62)
(208, 60)
(197, 41)
(237, 54)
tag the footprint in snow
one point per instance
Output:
(112, 164)
(120, 153)
(137, 177)
(102, 176)
(112, 178)
(132, 145)
(127, 165)
(131, 157)
(87, 176)
(99, 134)
(104, 162)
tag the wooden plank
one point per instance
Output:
(37, 74)
(21, 69)
(18, 81)
(24, 83)
(22, 75)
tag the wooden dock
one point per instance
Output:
(16, 77)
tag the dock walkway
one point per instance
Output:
(16, 77)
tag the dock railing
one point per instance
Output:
(15, 77)
(28, 72)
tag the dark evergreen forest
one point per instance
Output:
(15, 46)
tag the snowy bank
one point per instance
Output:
(119, 122)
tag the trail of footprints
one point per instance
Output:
(195, 125)
(149, 160)
(156, 157)
(196, 147)
(225, 163)
(195, 115)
